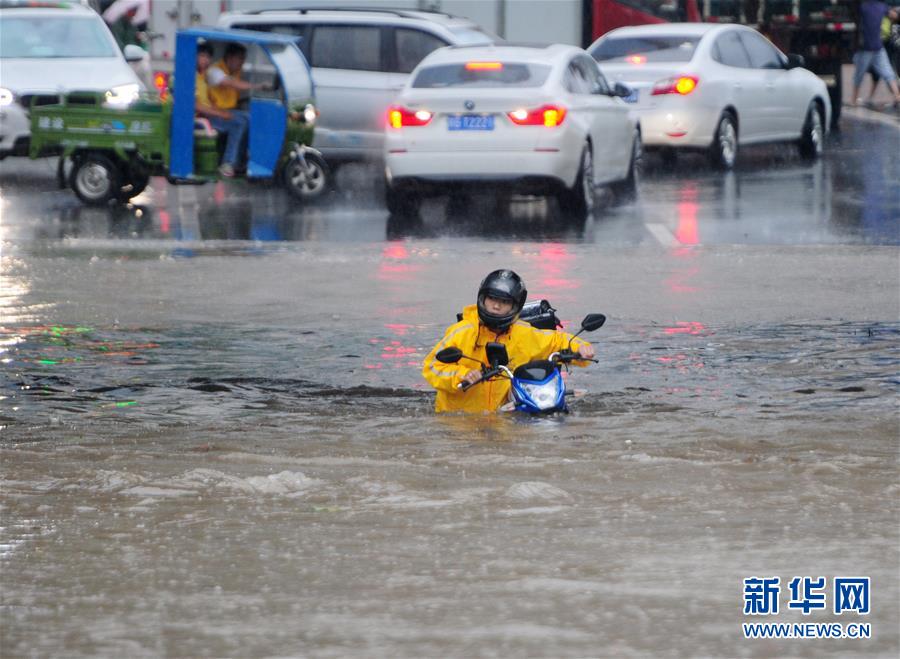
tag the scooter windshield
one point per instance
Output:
(536, 371)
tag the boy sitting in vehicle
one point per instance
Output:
(233, 123)
(494, 317)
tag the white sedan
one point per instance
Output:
(530, 120)
(715, 87)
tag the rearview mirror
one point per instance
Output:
(795, 61)
(133, 53)
(593, 321)
(621, 90)
(449, 355)
(496, 354)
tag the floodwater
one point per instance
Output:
(228, 450)
(215, 439)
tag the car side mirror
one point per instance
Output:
(133, 53)
(621, 90)
(795, 61)
(496, 354)
(449, 355)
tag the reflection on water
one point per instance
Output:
(772, 197)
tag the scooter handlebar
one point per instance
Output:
(485, 375)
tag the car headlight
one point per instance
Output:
(123, 94)
(6, 97)
(544, 395)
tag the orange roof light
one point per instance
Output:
(484, 66)
(636, 59)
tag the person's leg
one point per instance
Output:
(882, 66)
(234, 128)
(862, 60)
(243, 147)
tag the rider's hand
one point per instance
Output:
(472, 377)
(586, 351)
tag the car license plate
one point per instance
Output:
(470, 122)
(632, 97)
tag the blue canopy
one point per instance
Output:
(181, 149)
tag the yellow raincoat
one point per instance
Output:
(523, 342)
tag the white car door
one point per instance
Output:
(352, 88)
(748, 89)
(785, 100)
(605, 117)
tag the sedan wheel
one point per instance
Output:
(626, 189)
(723, 152)
(578, 201)
(813, 139)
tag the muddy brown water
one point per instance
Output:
(233, 453)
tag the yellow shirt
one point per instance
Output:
(224, 97)
(201, 90)
(523, 342)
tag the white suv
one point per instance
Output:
(49, 48)
(360, 59)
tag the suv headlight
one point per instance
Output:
(6, 97)
(123, 94)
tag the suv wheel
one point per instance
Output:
(401, 202)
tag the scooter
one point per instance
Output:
(537, 386)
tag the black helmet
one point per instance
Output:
(504, 285)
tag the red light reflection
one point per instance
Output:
(554, 261)
(393, 265)
(690, 327)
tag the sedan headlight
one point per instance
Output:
(123, 94)
(544, 395)
(6, 97)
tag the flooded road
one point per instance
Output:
(217, 444)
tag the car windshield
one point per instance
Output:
(669, 48)
(55, 37)
(482, 74)
(471, 35)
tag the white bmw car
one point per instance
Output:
(530, 120)
(50, 48)
(715, 87)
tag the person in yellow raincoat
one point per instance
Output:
(494, 318)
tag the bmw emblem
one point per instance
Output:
(469, 105)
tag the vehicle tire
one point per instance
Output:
(626, 189)
(96, 179)
(402, 203)
(309, 184)
(135, 183)
(724, 149)
(812, 140)
(578, 202)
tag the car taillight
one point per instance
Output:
(683, 85)
(546, 115)
(399, 117)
